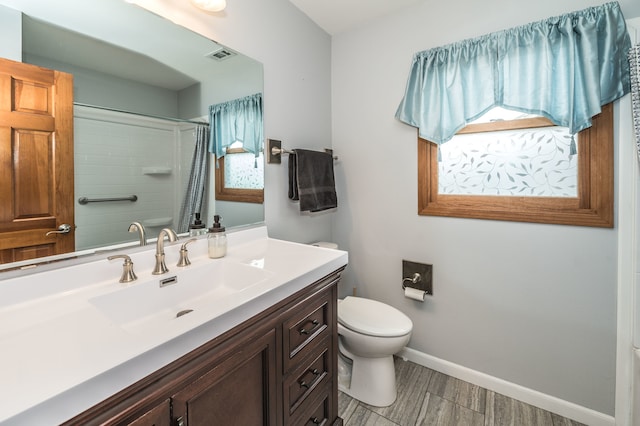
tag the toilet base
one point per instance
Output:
(373, 380)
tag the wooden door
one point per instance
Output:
(36, 161)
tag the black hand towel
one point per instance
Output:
(311, 180)
(293, 177)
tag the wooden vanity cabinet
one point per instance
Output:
(277, 368)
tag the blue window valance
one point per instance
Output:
(236, 120)
(563, 68)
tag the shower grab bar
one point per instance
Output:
(85, 200)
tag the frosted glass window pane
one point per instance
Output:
(240, 171)
(527, 162)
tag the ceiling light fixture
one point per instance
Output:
(210, 5)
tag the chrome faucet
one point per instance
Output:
(137, 227)
(161, 267)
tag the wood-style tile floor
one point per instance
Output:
(427, 397)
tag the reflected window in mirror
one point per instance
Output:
(240, 175)
(237, 142)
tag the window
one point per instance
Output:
(240, 176)
(507, 155)
(590, 205)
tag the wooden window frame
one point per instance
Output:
(240, 195)
(592, 207)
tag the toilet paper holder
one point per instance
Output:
(417, 275)
(415, 279)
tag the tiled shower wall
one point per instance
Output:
(119, 155)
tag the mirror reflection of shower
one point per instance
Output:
(120, 154)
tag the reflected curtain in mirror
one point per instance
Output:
(563, 68)
(197, 179)
(239, 120)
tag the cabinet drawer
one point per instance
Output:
(317, 414)
(311, 375)
(309, 321)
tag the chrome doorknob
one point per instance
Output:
(65, 228)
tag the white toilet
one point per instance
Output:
(369, 333)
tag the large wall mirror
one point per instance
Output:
(139, 95)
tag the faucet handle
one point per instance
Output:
(184, 253)
(127, 268)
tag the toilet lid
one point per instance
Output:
(372, 318)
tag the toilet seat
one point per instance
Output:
(372, 318)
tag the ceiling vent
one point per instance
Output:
(221, 54)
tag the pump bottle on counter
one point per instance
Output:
(217, 239)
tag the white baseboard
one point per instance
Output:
(512, 390)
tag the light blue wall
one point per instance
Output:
(531, 304)
(10, 34)
(95, 88)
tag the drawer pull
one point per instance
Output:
(180, 421)
(314, 323)
(304, 384)
(315, 421)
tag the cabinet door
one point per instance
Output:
(158, 416)
(240, 390)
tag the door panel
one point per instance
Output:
(239, 391)
(36, 161)
(33, 180)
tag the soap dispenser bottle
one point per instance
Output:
(197, 227)
(217, 239)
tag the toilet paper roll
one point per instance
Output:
(414, 293)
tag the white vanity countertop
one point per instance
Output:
(60, 354)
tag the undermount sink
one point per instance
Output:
(175, 295)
